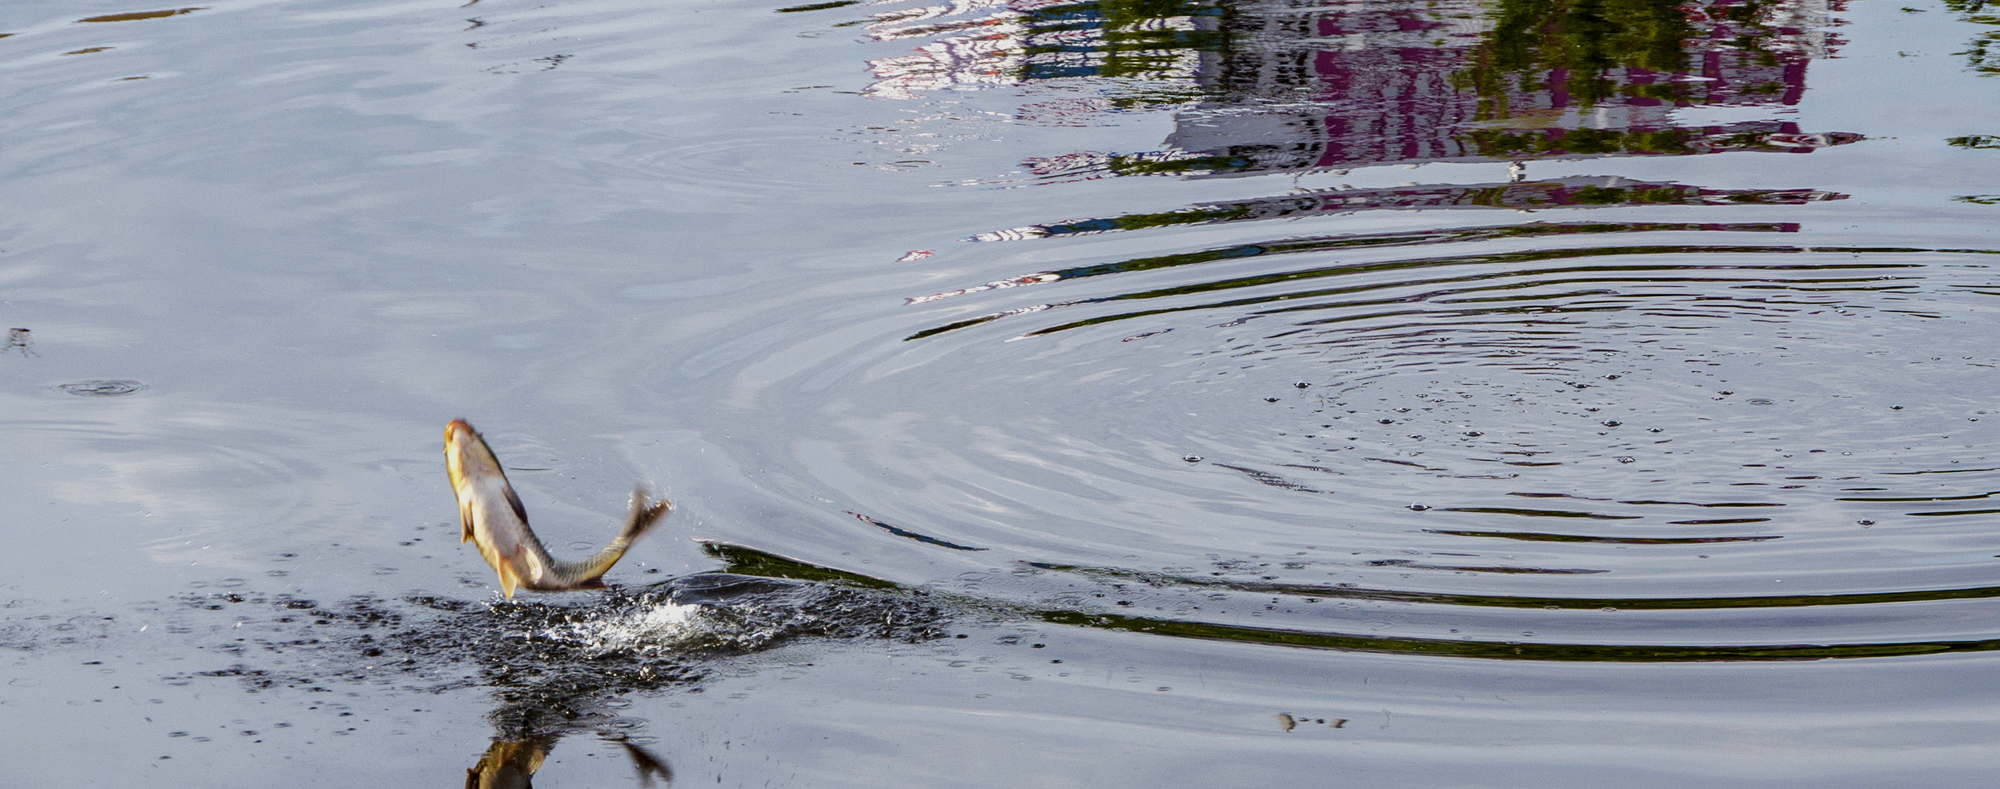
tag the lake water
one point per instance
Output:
(1443, 393)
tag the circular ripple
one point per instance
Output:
(104, 388)
(1493, 421)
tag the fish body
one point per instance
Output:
(492, 519)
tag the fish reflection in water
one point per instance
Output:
(512, 763)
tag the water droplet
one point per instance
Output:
(1192, 458)
(102, 388)
(1726, 391)
(1419, 507)
(1270, 399)
(1865, 522)
(1627, 460)
(1473, 434)
(1612, 423)
(1302, 385)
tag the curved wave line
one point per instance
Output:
(1509, 650)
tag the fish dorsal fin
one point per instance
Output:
(515, 502)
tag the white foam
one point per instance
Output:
(662, 626)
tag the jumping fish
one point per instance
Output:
(494, 520)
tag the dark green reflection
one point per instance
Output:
(750, 561)
(1594, 51)
(138, 15)
(1535, 536)
(1576, 192)
(818, 6)
(739, 560)
(1983, 53)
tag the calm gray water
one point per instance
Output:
(1174, 393)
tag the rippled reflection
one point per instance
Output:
(1328, 85)
(1982, 54)
(1355, 84)
(1601, 192)
(1461, 287)
(988, 42)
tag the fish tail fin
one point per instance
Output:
(645, 514)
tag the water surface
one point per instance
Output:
(1442, 393)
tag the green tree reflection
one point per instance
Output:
(1983, 55)
(1591, 50)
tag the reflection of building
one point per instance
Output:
(1305, 84)
(1366, 82)
(1004, 42)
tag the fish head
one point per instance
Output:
(467, 457)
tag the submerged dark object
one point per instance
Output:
(494, 520)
